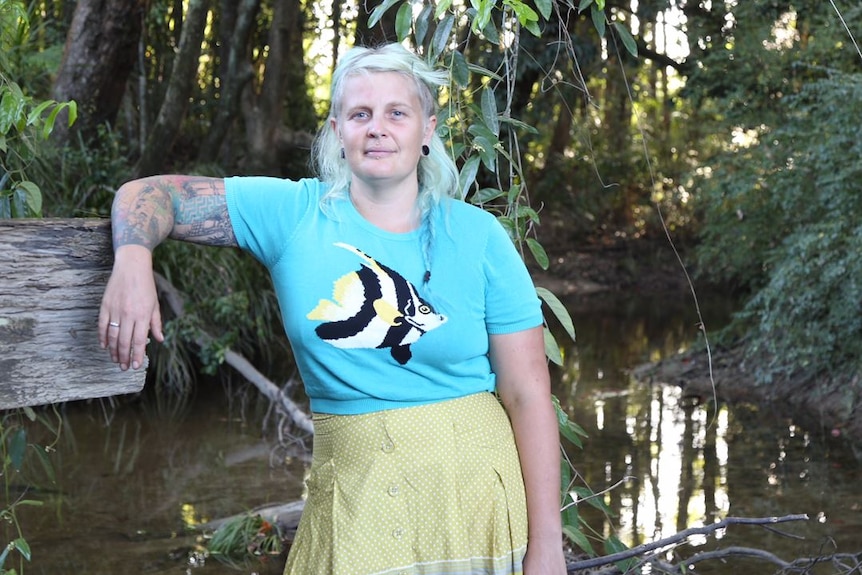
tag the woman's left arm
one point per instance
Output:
(524, 385)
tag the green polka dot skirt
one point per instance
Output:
(429, 490)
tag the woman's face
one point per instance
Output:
(382, 128)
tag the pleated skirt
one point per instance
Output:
(429, 490)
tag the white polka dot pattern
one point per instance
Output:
(429, 490)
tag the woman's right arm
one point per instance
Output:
(144, 213)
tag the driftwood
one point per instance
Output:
(643, 550)
(52, 275)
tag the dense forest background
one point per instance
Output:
(727, 128)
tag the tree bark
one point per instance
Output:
(98, 57)
(263, 109)
(179, 90)
(235, 74)
(54, 273)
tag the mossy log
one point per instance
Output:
(52, 275)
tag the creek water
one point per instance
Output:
(129, 483)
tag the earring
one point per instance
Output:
(425, 150)
(342, 153)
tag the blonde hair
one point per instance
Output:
(437, 173)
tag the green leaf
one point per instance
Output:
(539, 253)
(614, 545)
(520, 125)
(487, 152)
(28, 411)
(476, 69)
(584, 5)
(3, 556)
(36, 113)
(568, 428)
(460, 69)
(42, 456)
(490, 32)
(467, 175)
(17, 448)
(442, 6)
(524, 13)
(23, 547)
(10, 109)
(441, 35)
(404, 21)
(72, 106)
(627, 39)
(533, 28)
(489, 110)
(486, 195)
(558, 309)
(32, 196)
(423, 22)
(544, 7)
(552, 349)
(598, 16)
(591, 499)
(579, 539)
(379, 11)
(483, 14)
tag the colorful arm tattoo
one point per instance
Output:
(187, 208)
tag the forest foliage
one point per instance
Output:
(727, 127)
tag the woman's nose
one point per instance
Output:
(376, 128)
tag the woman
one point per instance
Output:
(412, 319)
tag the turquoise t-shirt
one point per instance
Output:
(368, 332)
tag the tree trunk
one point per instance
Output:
(98, 57)
(54, 273)
(235, 71)
(263, 110)
(183, 75)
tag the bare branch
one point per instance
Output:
(679, 537)
(174, 299)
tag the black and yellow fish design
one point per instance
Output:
(374, 307)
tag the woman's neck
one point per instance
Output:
(395, 212)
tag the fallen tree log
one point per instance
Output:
(52, 275)
(176, 303)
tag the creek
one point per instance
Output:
(129, 482)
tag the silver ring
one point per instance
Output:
(113, 324)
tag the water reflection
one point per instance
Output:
(666, 463)
(129, 485)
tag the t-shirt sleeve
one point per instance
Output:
(265, 211)
(511, 302)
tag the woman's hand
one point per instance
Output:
(130, 307)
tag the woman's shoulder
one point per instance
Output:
(466, 213)
(311, 185)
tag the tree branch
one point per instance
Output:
(678, 537)
(176, 302)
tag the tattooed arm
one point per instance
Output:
(145, 212)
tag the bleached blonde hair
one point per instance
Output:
(437, 173)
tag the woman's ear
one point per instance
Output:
(333, 123)
(430, 126)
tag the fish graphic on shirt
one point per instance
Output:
(374, 307)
